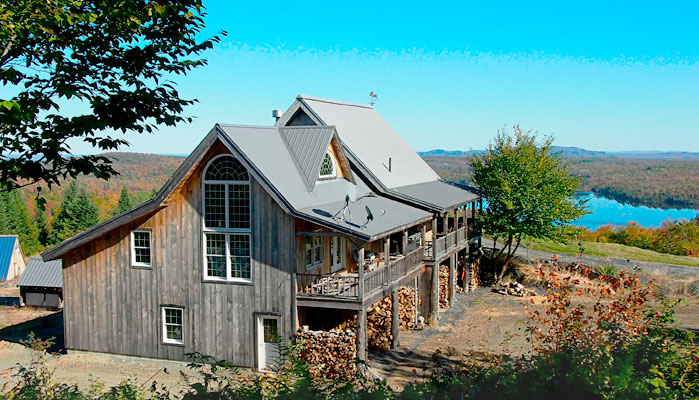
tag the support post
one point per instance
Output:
(480, 210)
(405, 242)
(361, 335)
(360, 270)
(423, 232)
(434, 229)
(434, 295)
(417, 308)
(395, 320)
(452, 275)
(445, 223)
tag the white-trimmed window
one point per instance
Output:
(226, 220)
(314, 251)
(141, 255)
(173, 325)
(327, 167)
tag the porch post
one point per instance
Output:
(387, 259)
(434, 298)
(360, 270)
(434, 230)
(423, 237)
(361, 334)
(480, 210)
(405, 242)
(452, 275)
(445, 223)
(395, 321)
(417, 308)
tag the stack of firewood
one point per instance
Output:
(330, 354)
(475, 275)
(514, 289)
(406, 301)
(378, 327)
(443, 286)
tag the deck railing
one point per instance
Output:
(347, 286)
(451, 240)
(461, 235)
(429, 249)
(344, 286)
(440, 246)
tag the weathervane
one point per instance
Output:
(373, 98)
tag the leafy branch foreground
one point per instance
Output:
(604, 338)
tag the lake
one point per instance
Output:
(605, 211)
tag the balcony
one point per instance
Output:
(347, 286)
(446, 243)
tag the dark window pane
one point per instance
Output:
(239, 206)
(215, 205)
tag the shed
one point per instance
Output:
(11, 258)
(41, 285)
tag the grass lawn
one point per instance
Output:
(613, 250)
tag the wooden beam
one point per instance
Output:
(360, 268)
(434, 229)
(361, 335)
(452, 275)
(405, 243)
(417, 309)
(387, 251)
(445, 223)
(434, 298)
(395, 320)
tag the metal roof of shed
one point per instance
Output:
(7, 247)
(40, 273)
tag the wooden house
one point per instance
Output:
(12, 262)
(262, 230)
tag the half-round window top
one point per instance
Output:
(327, 168)
(226, 168)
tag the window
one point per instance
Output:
(172, 325)
(327, 167)
(314, 251)
(140, 249)
(226, 220)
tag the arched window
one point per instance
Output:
(327, 167)
(226, 220)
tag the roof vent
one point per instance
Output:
(277, 114)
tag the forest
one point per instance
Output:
(651, 183)
(78, 204)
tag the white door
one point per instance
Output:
(268, 341)
(337, 253)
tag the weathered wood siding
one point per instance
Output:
(114, 308)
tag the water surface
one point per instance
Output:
(607, 211)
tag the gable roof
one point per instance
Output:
(283, 173)
(308, 146)
(381, 155)
(42, 273)
(7, 249)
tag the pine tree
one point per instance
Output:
(15, 219)
(40, 222)
(124, 203)
(76, 213)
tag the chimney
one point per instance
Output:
(277, 114)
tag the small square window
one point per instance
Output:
(173, 325)
(141, 249)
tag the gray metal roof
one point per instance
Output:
(436, 194)
(369, 142)
(42, 273)
(388, 215)
(308, 145)
(373, 141)
(264, 152)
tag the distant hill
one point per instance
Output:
(577, 152)
(141, 174)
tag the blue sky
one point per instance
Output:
(598, 75)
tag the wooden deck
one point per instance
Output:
(343, 288)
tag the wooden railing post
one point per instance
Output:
(360, 270)
(387, 256)
(395, 321)
(361, 334)
(434, 295)
(452, 274)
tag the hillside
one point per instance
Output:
(141, 174)
(653, 183)
(577, 152)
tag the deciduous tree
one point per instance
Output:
(528, 190)
(109, 63)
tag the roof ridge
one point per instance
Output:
(248, 126)
(331, 101)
